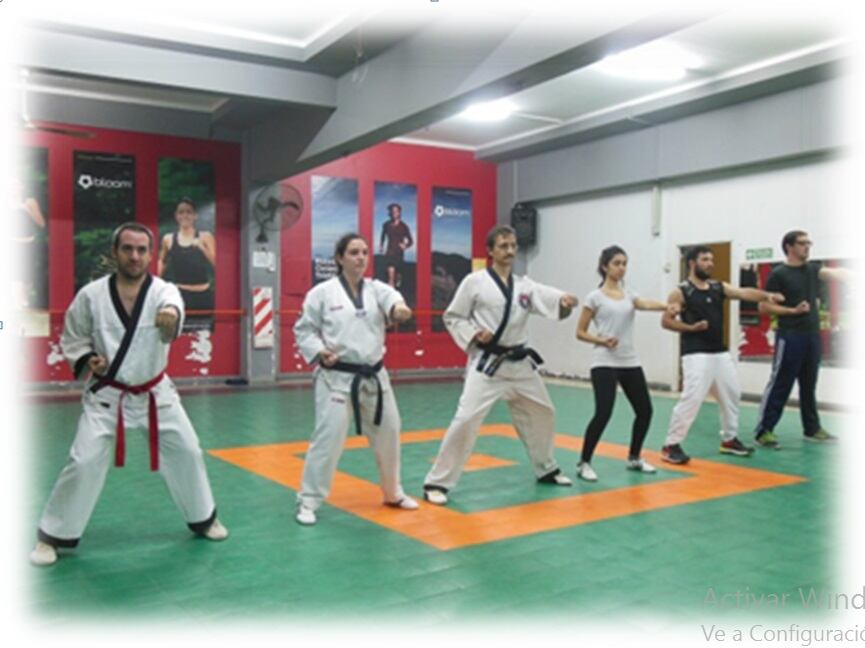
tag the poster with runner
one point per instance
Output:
(395, 244)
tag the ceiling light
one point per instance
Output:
(489, 110)
(657, 61)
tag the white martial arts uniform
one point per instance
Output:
(478, 304)
(332, 320)
(97, 324)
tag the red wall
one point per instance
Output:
(147, 149)
(424, 167)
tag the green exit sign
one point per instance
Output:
(758, 253)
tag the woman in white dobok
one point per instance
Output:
(341, 330)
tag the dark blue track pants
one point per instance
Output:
(797, 357)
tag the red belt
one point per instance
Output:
(152, 419)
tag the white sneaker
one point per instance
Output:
(216, 531)
(43, 554)
(305, 516)
(435, 497)
(585, 472)
(406, 504)
(641, 465)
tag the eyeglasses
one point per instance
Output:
(805, 242)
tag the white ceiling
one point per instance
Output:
(332, 37)
(251, 25)
(729, 44)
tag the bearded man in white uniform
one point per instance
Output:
(488, 319)
(120, 328)
(341, 330)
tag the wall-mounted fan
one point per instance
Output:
(29, 125)
(277, 206)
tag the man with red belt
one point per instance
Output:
(120, 328)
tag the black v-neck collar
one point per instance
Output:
(507, 290)
(129, 320)
(357, 301)
(130, 323)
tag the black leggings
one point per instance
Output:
(633, 383)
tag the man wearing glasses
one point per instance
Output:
(797, 342)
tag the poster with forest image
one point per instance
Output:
(334, 213)
(104, 198)
(451, 246)
(30, 210)
(186, 253)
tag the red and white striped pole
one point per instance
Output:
(262, 309)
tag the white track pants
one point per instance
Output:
(532, 413)
(181, 462)
(333, 417)
(702, 373)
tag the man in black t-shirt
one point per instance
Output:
(797, 340)
(706, 363)
(399, 239)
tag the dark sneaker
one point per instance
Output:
(556, 478)
(768, 439)
(674, 454)
(821, 436)
(736, 447)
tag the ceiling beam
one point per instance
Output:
(437, 72)
(129, 62)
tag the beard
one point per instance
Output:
(131, 273)
(702, 274)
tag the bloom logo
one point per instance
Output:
(86, 181)
(441, 211)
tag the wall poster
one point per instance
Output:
(395, 231)
(334, 213)
(450, 246)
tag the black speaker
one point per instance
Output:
(524, 220)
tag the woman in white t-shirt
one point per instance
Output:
(614, 359)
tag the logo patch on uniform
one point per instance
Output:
(525, 300)
(337, 399)
(336, 308)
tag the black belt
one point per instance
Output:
(361, 371)
(502, 353)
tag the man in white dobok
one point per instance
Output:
(120, 328)
(488, 319)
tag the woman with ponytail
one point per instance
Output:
(614, 361)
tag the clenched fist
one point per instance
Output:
(166, 322)
(98, 365)
(568, 301)
(327, 358)
(400, 313)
